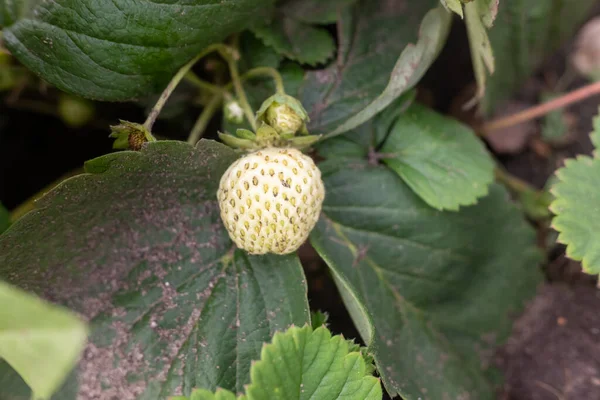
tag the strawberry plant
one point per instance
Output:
(185, 261)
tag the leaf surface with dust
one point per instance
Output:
(412, 64)
(41, 341)
(576, 206)
(524, 34)
(372, 36)
(442, 160)
(432, 293)
(137, 246)
(303, 364)
(120, 49)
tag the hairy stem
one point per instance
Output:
(204, 85)
(543, 109)
(204, 119)
(162, 100)
(512, 182)
(228, 55)
(267, 71)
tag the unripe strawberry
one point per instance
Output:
(270, 200)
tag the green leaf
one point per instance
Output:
(482, 53)
(410, 67)
(13, 10)
(318, 318)
(440, 159)
(203, 394)
(315, 11)
(296, 40)
(576, 206)
(303, 363)
(137, 246)
(4, 218)
(488, 11)
(254, 53)
(525, 33)
(121, 49)
(42, 342)
(455, 6)
(372, 36)
(432, 293)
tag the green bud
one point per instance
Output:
(283, 119)
(233, 112)
(75, 111)
(283, 113)
(9, 74)
(129, 135)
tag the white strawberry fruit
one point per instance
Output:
(271, 199)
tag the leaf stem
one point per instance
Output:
(204, 85)
(162, 100)
(204, 118)
(230, 55)
(267, 71)
(512, 182)
(543, 109)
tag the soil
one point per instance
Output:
(554, 351)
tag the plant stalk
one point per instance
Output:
(543, 109)
(204, 85)
(267, 71)
(512, 182)
(226, 53)
(205, 116)
(162, 100)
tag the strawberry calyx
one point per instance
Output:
(281, 122)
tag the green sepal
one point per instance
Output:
(130, 135)
(302, 142)
(266, 134)
(236, 142)
(245, 134)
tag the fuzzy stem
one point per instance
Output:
(162, 100)
(204, 85)
(512, 182)
(228, 54)
(204, 118)
(543, 109)
(268, 71)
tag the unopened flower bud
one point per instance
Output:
(283, 119)
(283, 113)
(233, 112)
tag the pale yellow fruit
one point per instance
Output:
(283, 119)
(270, 200)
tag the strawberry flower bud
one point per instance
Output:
(233, 112)
(283, 113)
(283, 119)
